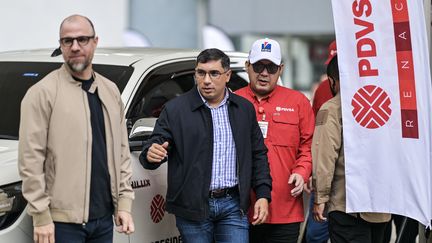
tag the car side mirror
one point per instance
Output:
(140, 132)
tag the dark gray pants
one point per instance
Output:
(345, 228)
(274, 233)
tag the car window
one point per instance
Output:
(118, 74)
(239, 79)
(17, 77)
(160, 86)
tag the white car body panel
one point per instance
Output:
(8, 161)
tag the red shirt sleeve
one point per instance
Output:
(322, 95)
(306, 124)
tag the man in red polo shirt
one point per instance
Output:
(287, 123)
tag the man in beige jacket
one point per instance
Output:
(329, 175)
(74, 158)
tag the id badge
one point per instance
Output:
(264, 128)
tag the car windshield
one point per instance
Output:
(17, 77)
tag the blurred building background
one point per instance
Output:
(303, 28)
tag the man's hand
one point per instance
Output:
(308, 187)
(156, 153)
(260, 211)
(298, 184)
(124, 222)
(318, 212)
(44, 234)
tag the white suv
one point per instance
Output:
(147, 78)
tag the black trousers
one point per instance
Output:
(274, 233)
(410, 232)
(345, 228)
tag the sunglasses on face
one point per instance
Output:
(82, 40)
(259, 67)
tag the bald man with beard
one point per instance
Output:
(74, 157)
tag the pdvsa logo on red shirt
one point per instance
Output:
(279, 109)
(371, 107)
(157, 208)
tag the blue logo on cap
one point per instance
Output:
(266, 47)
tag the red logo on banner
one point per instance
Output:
(157, 208)
(371, 107)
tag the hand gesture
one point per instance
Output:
(156, 153)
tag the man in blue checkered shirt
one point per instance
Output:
(216, 156)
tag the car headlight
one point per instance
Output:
(12, 204)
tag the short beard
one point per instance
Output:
(77, 67)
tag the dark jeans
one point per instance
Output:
(316, 232)
(225, 224)
(95, 231)
(274, 233)
(345, 228)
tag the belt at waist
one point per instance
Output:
(218, 193)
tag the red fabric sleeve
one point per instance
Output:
(306, 124)
(322, 95)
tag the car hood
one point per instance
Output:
(8, 162)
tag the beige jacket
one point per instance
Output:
(328, 161)
(55, 148)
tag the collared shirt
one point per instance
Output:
(290, 125)
(224, 150)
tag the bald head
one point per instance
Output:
(78, 44)
(77, 18)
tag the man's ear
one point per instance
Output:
(229, 72)
(96, 39)
(282, 65)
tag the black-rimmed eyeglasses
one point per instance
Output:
(82, 40)
(259, 67)
(214, 74)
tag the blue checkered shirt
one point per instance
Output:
(224, 150)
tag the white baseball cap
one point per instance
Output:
(265, 49)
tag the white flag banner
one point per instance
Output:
(386, 106)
